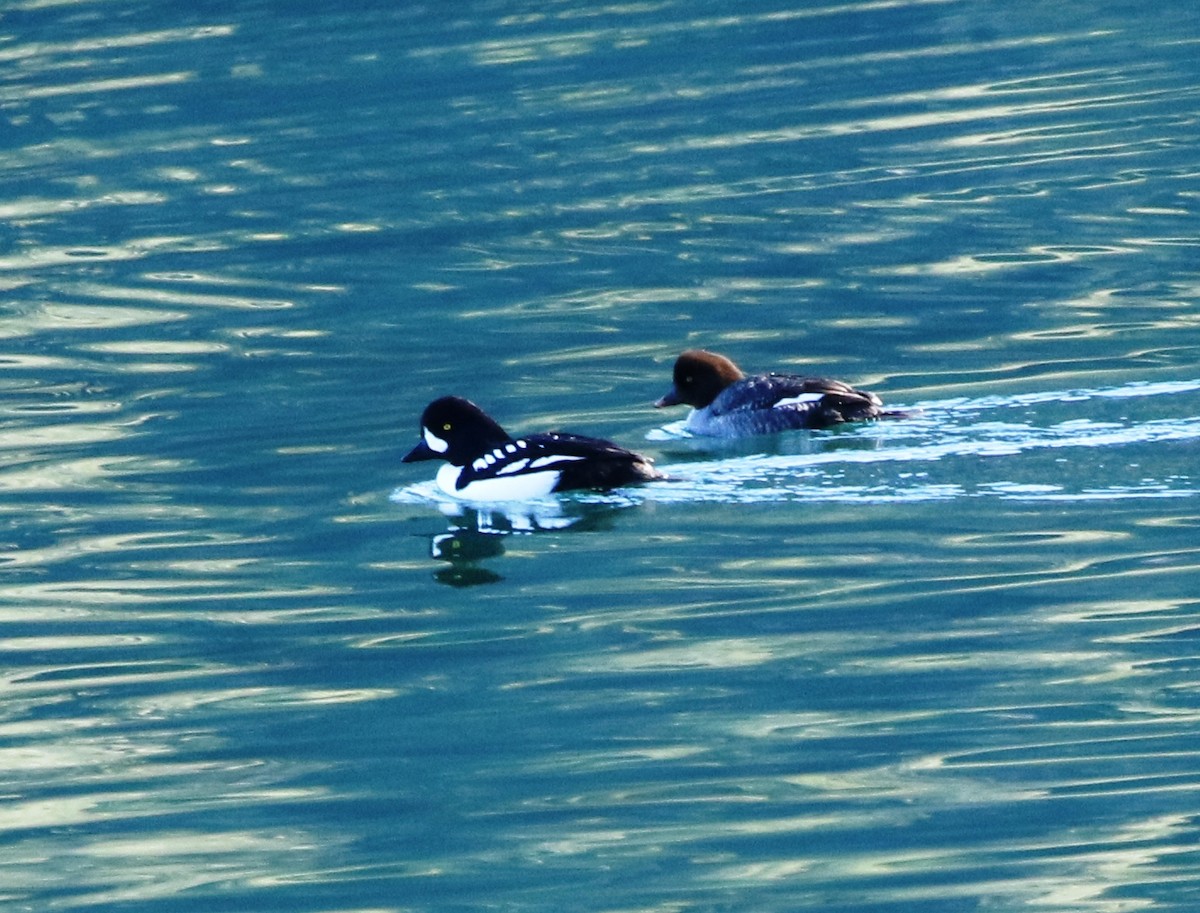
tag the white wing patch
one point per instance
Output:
(488, 459)
(801, 400)
(551, 460)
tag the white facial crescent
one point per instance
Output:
(433, 442)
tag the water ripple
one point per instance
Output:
(940, 664)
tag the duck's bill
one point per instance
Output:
(421, 452)
(670, 398)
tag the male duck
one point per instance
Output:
(485, 463)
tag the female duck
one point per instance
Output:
(726, 403)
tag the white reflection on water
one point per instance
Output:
(133, 758)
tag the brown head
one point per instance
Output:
(698, 378)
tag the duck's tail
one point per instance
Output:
(898, 413)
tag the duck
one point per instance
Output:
(485, 463)
(727, 403)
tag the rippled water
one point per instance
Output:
(249, 661)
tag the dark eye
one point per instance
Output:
(688, 379)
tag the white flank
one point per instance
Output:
(521, 487)
(433, 442)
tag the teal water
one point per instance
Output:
(250, 662)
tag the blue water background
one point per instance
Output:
(250, 662)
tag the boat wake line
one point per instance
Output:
(1014, 447)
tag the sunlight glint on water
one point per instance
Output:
(250, 661)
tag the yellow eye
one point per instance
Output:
(446, 426)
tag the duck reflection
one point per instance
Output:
(462, 549)
(478, 533)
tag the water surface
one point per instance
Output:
(249, 661)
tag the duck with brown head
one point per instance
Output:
(727, 403)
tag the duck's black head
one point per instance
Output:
(457, 431)
(698, 378)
